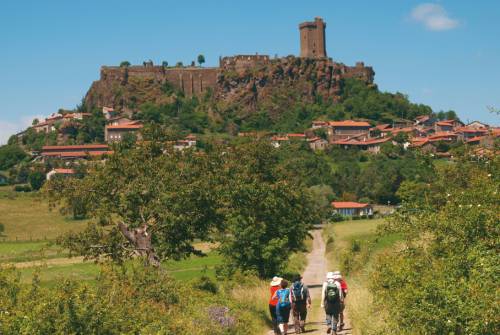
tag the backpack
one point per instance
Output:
(332, 293)
(298, 292)
(284, 298)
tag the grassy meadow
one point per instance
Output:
(351, 248)
(26, 217)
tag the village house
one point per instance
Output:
(188, 142)
(348, 129)
(317, 143)
(115, 133)
(371, 145)
(49, 124)
(109, 113)
(445, 136)
(423, 144)
(349, 208)
(320, 124)
(60, 173)
(425, 121)
(277, 141)
(75, 151)
(477, 125)
(465, 134)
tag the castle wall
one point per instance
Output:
(190, 80)
(241, 63)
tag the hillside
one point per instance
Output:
(283, 94)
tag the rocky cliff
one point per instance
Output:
(245, 82)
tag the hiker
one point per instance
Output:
(331, 299)
(301, 301)
(275, 286)
(343, 286)
(283, 307)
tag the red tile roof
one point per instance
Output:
(75, 147)
(65, 171)
(381, 127)
(358, 142)
(349, 123)
(279, 138)
(348, 204)
(474, 139)
(445, 123)
(76, 153)
(297, 135)
(131, 125)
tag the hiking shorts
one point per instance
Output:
(283, 314)
(300, 310)
(272, 311)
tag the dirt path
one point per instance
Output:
(313, 277)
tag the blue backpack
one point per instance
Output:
(284, 298)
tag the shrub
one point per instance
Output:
(22, 188)
(36, 180)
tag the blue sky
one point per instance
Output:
(442, 53)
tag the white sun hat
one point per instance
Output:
(276, 281)
(330, 275)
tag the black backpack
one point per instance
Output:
(298, 293)
(332, 293)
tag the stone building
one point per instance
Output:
(312, 39)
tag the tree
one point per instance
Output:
(201, 59)
(164, 200)
(164, 64)
(451, 240)
(35, 122)
(179, 64)
(36, 180)
(268, 214)
(125, 63)
(11, 155)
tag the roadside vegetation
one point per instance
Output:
(352, 247)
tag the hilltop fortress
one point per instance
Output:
(236, 76)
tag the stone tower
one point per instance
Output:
(312, 39)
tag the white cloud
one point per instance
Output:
(433, 17)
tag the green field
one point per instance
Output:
(26, 217)
(30, 231)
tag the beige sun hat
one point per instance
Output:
(276, 281)
(330, 275)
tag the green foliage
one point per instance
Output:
(201, 59)
(239, 197)
(133, 300)
(11, 155)
(268, 215)
(449, 115)
(22, 188)
(184, 113)
(36, 179)
(125, 63)
(445, 280)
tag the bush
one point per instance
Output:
(10, 155)
(36, 180)
(445, 278)
(131, 300)
(22, 188)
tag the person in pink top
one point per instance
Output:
(273, 301)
